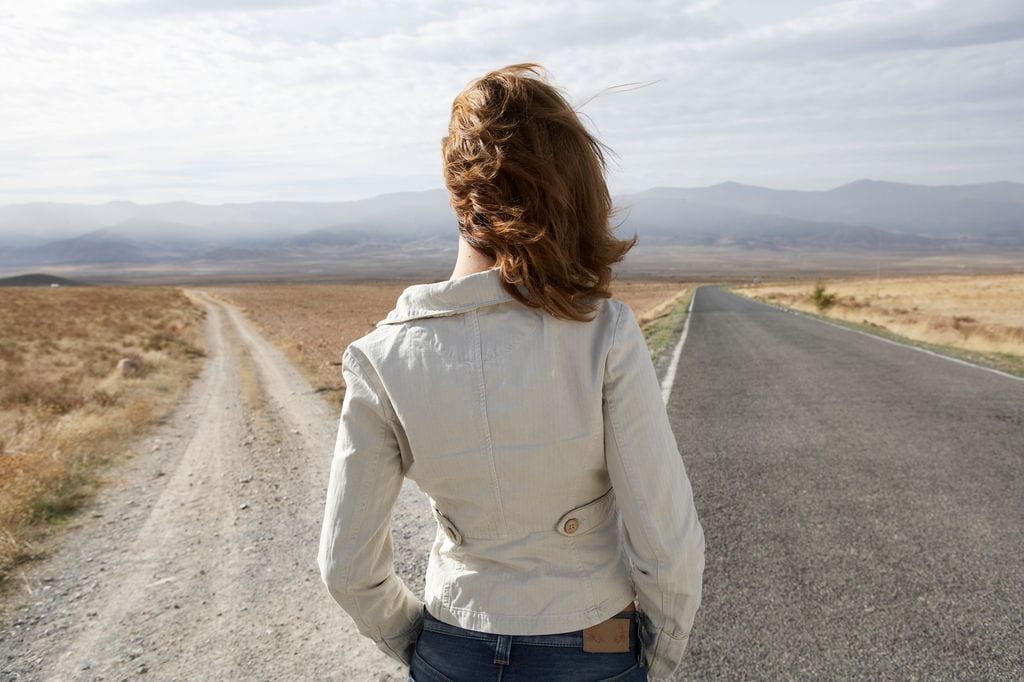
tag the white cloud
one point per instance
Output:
(228, 101)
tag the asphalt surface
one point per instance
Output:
(863, 503)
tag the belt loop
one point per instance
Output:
(502, 650)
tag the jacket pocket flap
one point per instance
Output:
(587, 517)
(447, 526)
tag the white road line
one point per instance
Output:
(670, 373)
(885, 340)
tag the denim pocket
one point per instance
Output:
(421, 671)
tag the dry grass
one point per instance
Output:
(313, 323)
(65, 409)
(979, 313)
(660, 323)
(650, 299)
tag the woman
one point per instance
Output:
(521, 399)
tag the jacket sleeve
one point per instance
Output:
(661, 534)
(355, 554)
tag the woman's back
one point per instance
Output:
(499, 408)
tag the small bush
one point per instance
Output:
(160, 341)
(823, 300)
(138, 412)
(104, 398)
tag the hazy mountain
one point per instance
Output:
(127, 232)
(864, 216)
(19, 240)
(96, 246)
(268, 220)
(1012, 192)
(222, 254)
(401, 217)
(992, 212)
(39, 279)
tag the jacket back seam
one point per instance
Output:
(488, 442)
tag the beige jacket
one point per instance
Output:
(546, 452)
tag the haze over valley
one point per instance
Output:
(414, 233)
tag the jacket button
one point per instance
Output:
(571, 526)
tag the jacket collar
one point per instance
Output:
(449, 297)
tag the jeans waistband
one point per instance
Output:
(563, 639)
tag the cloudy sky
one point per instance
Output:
(245, 100)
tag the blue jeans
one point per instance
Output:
(446, 653)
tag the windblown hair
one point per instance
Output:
(527, 184)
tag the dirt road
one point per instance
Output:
(199, 560)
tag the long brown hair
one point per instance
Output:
(527, 184)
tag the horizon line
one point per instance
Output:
(437, 189)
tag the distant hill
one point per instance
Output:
(264, 221)
(915, 216)
(38, 279)
(864, 216)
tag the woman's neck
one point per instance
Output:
(470, 260)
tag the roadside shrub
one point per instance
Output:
(104, 398)
(823, 300)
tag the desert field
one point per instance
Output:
(650, 299)
(982, 314)
(82, 371)
(314, 323)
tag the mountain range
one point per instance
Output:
(863, 216)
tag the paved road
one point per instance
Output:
(863, 503)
